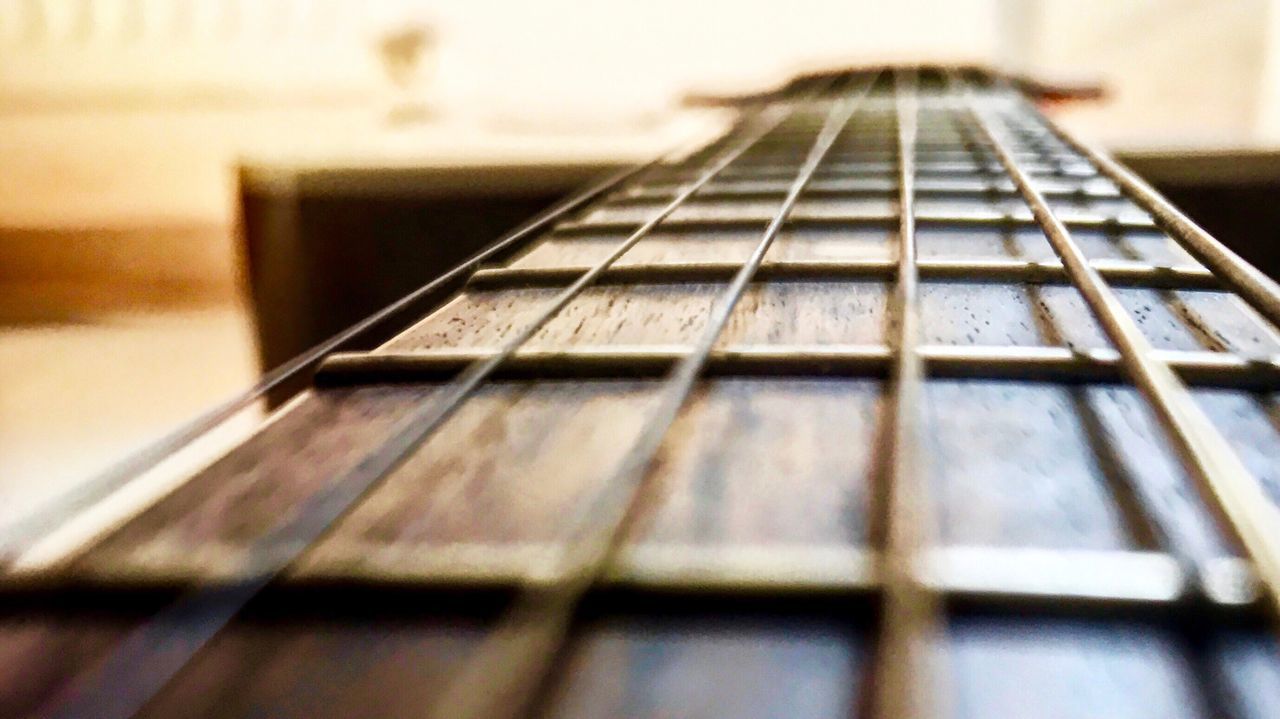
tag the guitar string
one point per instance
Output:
(503, 676)
(145, 660)
(1204, 453)
(909, 671)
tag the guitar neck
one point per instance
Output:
(896, 398)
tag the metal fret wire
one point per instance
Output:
(860, 188)
(505, 673)
(843, 167)
(842, 194)
(1044, 580)
(1134, 273)
(1059, 364)
(1203, 451)
(992, 219)
(906, 681)
(145, 660)
(19, 534)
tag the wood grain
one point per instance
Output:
(359, 661)
(734, 245)
(1067, 669)
(885, 183)
(752, 462)
(965, 313)
(830, 208)
(792, 313)
(774, 313)
(1030, 244)
(387, 662)
(711, 667)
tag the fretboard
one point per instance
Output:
(895, 400)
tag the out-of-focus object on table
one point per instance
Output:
(326, 246)
(335, 230)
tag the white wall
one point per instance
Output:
(129, 49)
(1180, 72)
(135, 109)
(534, 56)
(601, 56)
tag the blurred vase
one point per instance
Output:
(408, 55)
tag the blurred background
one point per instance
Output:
(193, 190)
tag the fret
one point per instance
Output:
(966, 188)
(1208, 369)
(977, 218)
(941, 169)
(843, 400)
(1049, 162)
(810, 243)
(1042, 364)
(1043, 580)
(1119, 272)
(700, 210)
